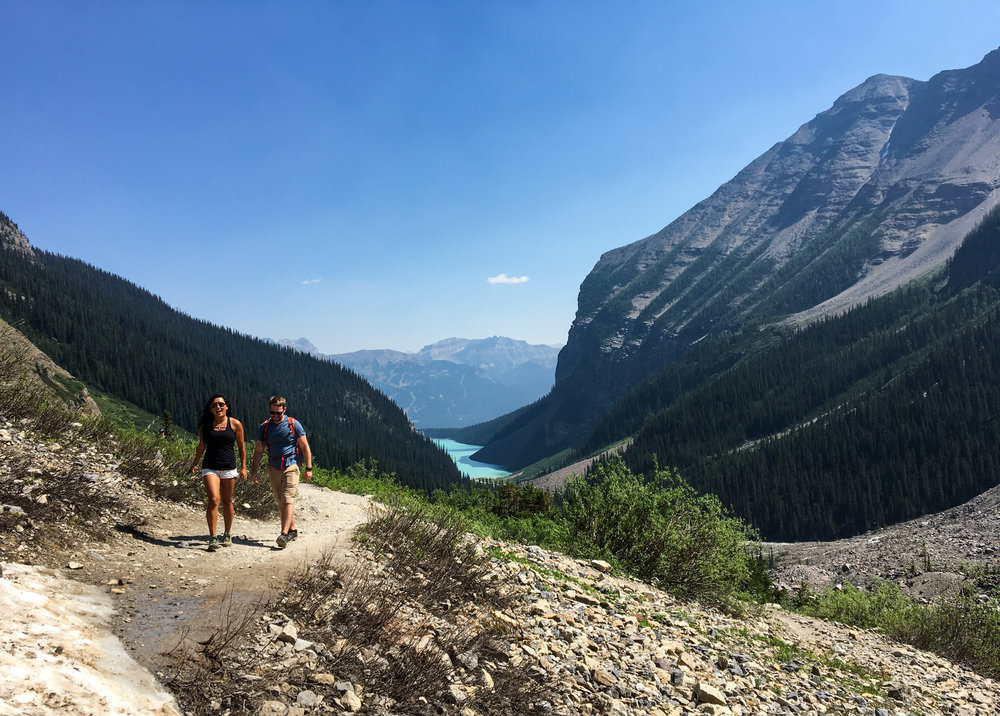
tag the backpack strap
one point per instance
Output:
(295, 442)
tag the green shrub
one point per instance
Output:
(364, 477)
(660, 530)
(502, 498)
(884, 607)
(963, 627)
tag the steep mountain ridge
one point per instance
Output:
(876, 191)
(19, 356)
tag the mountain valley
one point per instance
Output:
(845, 230)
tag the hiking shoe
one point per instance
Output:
(227, 540)
(282, 540)
(213, 543)
(293, 534)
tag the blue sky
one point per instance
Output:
(386, 174)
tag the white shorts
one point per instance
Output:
(223, 474)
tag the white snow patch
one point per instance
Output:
(58, 654)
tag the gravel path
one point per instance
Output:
(169, 591)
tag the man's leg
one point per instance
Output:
(287, 517)
(276, 478)
(291, 484)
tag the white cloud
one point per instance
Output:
(504, 278)
(310, 281)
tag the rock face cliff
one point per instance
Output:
(11, 236)
(874, 192)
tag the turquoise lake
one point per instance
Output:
(461, 454)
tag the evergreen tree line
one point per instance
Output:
(126, 342)
(882, 414)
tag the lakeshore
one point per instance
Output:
(462, 454)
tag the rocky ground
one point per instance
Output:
(598, 643)
(928, 557)
(617, 646)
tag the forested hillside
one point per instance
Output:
(885, 413)
(125, 341)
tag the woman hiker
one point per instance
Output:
(218, 434)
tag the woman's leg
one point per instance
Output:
(226, 491)
(212, 503)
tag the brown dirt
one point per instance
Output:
(170, 592)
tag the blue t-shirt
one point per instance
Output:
(280, 442)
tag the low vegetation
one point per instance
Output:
(662, 531)
(659, 530)
(964, 627)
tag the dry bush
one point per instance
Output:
(432, 551)
(216, 673)
(391, 634)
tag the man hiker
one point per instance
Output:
(287, 452)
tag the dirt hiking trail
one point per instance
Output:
(169, 591)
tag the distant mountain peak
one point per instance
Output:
(456, 382)
(303, 345)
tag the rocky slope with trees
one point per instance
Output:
(376, 626)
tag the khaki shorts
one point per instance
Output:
(284, 483)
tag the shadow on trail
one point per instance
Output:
(138, 534)
(186, 541)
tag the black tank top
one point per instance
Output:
(219, 451)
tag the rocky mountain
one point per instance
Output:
(873, 193)
(455, 382)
